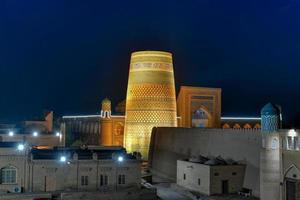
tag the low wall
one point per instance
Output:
(171, 144)
(138, 194)
(124, 194)
(28, 196)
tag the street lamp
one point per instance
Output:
(292, 133)
(21, 147)
(63, 159)
(120, 159)
(35, 134)
(11, 133)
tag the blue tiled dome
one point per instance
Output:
(270, 109)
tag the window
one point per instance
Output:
(184, 176)
(8, 175)
(199, 181)
(216, 174)
(103, 180)
(296, 143)
(290, 143)
(200, 118)
(233, 173)
(275, 143)
(121, 179)
(84, 180)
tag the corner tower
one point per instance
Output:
(270, 118)
(106, 125)
(105, 108)
(151, 98)
(270, 154)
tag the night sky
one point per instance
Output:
(67, 56)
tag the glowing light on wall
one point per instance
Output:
(11, 133)
(240, 118)
(151, 100)
(292, 133)
(63, 159)
(21, 147)
(120, 159)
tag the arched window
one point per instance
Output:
(103, 180)
(275, 143)
(8, 175)
(200, 118)
(119, 129)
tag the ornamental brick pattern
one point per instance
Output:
(151, 98)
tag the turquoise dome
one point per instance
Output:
(270, 109)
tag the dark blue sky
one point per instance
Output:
(68, 55)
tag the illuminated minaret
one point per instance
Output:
(151, 99)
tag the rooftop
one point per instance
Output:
(8, 144)
(211, 161)
(82, 154)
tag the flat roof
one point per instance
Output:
(83, 154)
(9, 144)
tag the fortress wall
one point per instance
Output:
(170, 144)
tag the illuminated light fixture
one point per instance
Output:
(63, 159)
(80, 116)
(21, 147)
(57, 134)
(120, 159)
(241, 118)
(11, 133)
(150, 99)
(292, 133)
(35, 134)
(89, 116)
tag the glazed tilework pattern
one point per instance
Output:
(269, 123)
(151, 98)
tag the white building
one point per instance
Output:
(66, 169)
(210, 179)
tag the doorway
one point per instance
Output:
(49, 184)
(225, 187)
(290, 190)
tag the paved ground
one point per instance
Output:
(165, 192)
